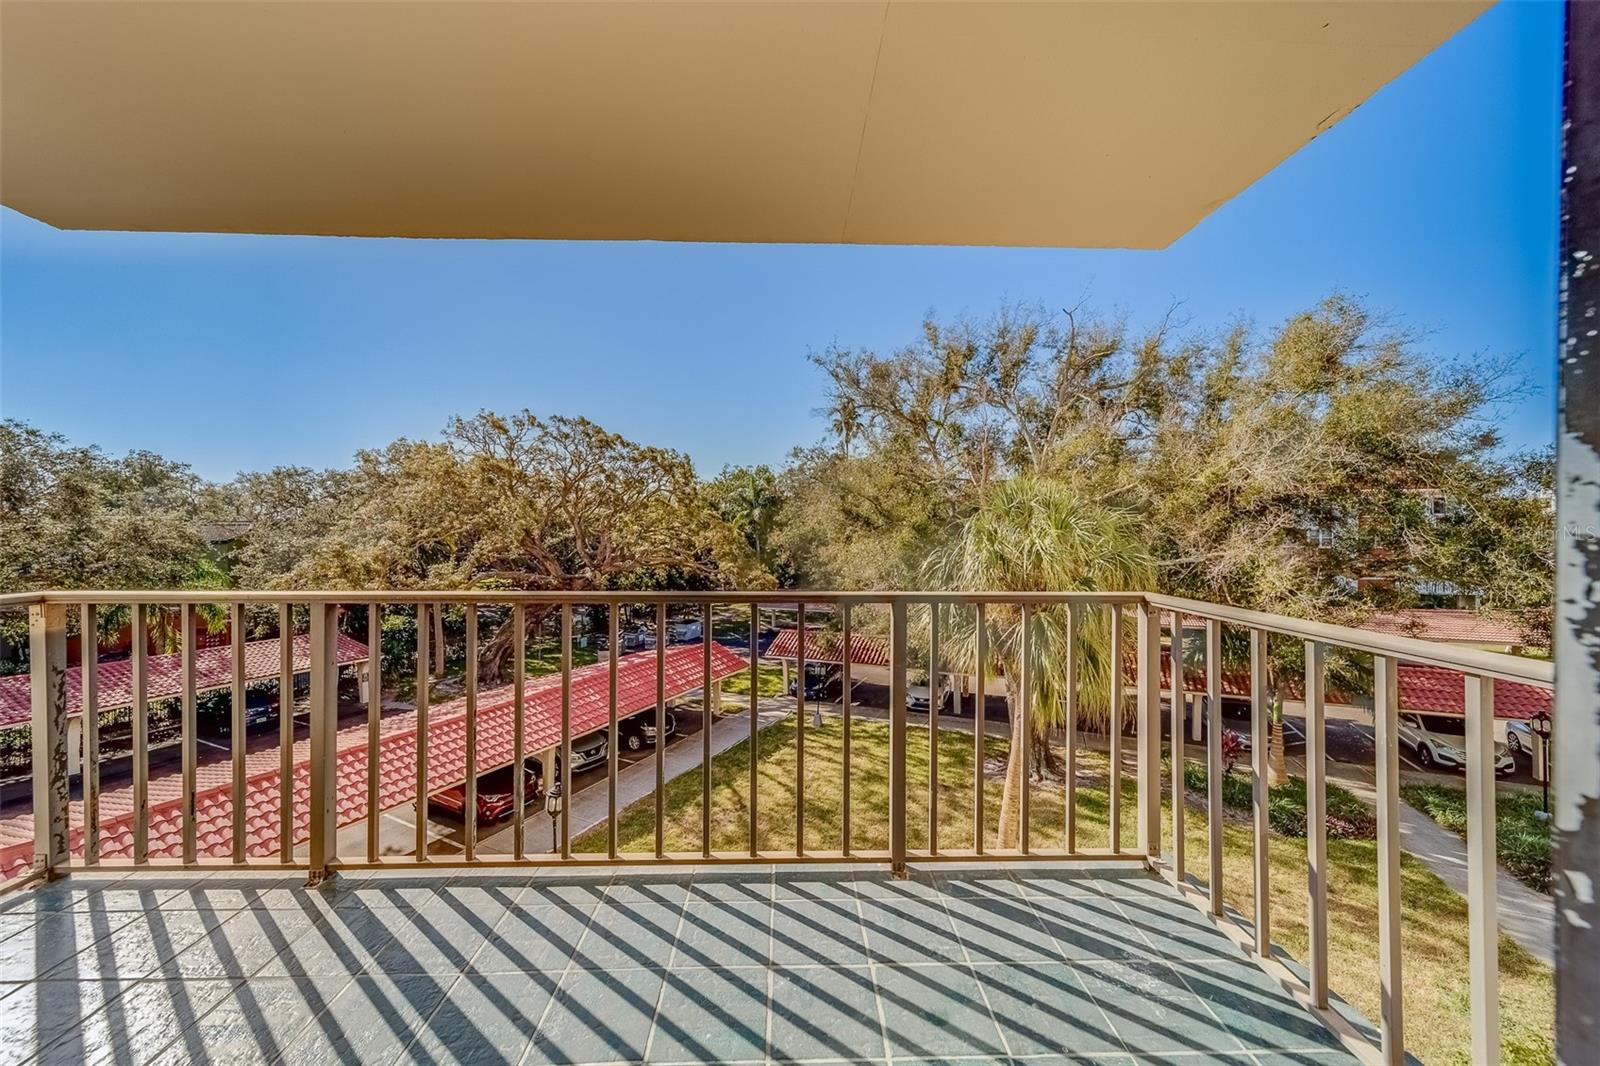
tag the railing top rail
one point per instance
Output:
(1411, 649)
(775, 597)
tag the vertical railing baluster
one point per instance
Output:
(1025, 702)
(323, 746)
(1260, 742)
(980, 725)
(1316, 824)
(422, 734)
(89, 645)
(236, 652)
(569, 794)
(612, 643)
(469, 808)
(1179, 756)
(286, 738)
(708, 716)
(1386, 742)
(1070, 786)
(374, 728)
(933, 728)
(188, 727)
(138, 677)
(47, 668)
(1214, 761)
(661, 727)
(1483, 926)
(897, 737)
(519, 734)
(844, 743)
(1148, 650)
(1115, 668)
(755, 698)
(800, 731)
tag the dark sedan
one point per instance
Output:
(639, 731)
(496, 799)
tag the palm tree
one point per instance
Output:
(1036, 535)
(752, 507)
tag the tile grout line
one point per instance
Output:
(329, 921)
(766, 1035)
(310, 1018)
(666, 975)
(872, 975)
(994, 1020)
(1072, 965)
(565, 970)
(134, 982)
(1204, 1002)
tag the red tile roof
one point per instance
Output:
(823, 647)
(1435, 690)
(213, 669)
(636, 690)
(1448, 624)
(1424, 689)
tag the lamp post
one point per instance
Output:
(1541, 729)
(552, 806)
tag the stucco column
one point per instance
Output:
(1575, 879)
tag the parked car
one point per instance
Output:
(1437, 740)
(822, 683)
(639, 731)
(1519, 737)
(495, 798)
(587, 751)
(918, 699)
(260, 707)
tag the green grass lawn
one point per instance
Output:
(544, 657)
(1522, 839)
(1434, 939)
(769, 682)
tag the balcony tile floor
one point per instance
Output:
(1036, 965)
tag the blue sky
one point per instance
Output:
(1436, 201)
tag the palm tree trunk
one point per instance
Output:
(1277, 771)
(1011, 794)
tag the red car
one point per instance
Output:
(495, 797)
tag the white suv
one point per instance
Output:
(1439, 739)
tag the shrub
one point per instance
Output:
(1348, 817)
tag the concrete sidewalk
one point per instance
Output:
(1526, 916)
(637, 781)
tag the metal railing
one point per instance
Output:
(1150, 614)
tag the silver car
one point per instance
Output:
(1439, 740)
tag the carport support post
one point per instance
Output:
(47, 656)
(324, 737)
(547, 760)
(1576, 871)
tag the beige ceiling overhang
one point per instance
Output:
(1056, 124)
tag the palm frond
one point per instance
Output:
(1037, 535)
